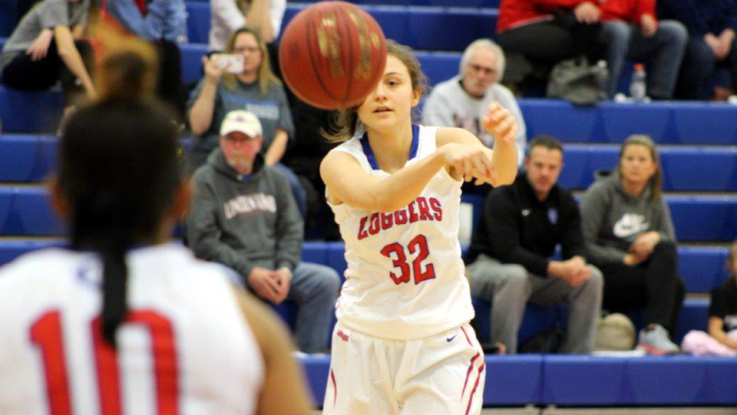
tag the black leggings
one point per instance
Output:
(26, 74)
(652, 285)
(555, 40)
(171, 86)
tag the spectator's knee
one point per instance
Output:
(667, 248)
(330, 281)
(618, 33)
(675, 32)
(596, 280)
(700, 54)
(515, 276)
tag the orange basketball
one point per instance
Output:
(332, 54)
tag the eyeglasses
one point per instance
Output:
(235, 140)
(485, 70)
(250, 49)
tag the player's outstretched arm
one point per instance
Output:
(284, 389)
(349, 183)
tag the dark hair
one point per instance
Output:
(547, 141)
(346, 121)
(118, 173)
(656, 182)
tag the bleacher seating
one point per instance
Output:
(696, 218)
(30, 111)
(699, 156)
(591, 381)
(439, 3)
(703, 268)
(437, 66)
(610, 122)
(413, 26)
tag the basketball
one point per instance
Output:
(332, 55)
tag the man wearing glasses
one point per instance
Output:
(463, 99)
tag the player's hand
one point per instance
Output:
(264, 284)
(500, 123)
(469, 162)
(212, 72)
(649, 25)
(587, 12)
(40, 45)
(284, 281)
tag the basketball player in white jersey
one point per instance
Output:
(403, 344)
(122, 322)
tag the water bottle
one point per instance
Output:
(638, 87)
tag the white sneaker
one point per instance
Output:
(655, 341)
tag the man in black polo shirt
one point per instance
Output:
(509, 260)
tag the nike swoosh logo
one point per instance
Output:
(450, 339)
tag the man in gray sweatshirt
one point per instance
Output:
(462, 100)
(243, 215)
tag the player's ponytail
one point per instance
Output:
(114, 282)
(119, 174)
(129, 68)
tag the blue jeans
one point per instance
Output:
(314, 289)
(699, 65)
(663, 51)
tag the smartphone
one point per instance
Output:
(231, 63)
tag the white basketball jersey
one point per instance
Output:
(185, 347)
(405, 276)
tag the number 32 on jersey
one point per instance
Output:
(396, 252)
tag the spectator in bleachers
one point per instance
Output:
(228, 16)
(256, 90)
(722, 337)
(243, 216)
(164, 24)
(633, 32)
(509, 260)
(462, 100)
(723, 308)
(629, 235)
(46, 47)
(546, 32)
(711, 25)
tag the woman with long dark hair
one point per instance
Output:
(122, 318)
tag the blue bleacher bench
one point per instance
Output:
(29, 158)
(437, 66)
(685, 168)
(417, 27)
(588, 380)
(30, 111)
(611, 122)
(703, 268)
(441, 3)
(673, 380)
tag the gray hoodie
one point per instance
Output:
(612, 219)
(244, 221)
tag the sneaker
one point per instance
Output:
(655, 341)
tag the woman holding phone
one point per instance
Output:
(253, 88)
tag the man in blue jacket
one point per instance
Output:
(711, 25)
